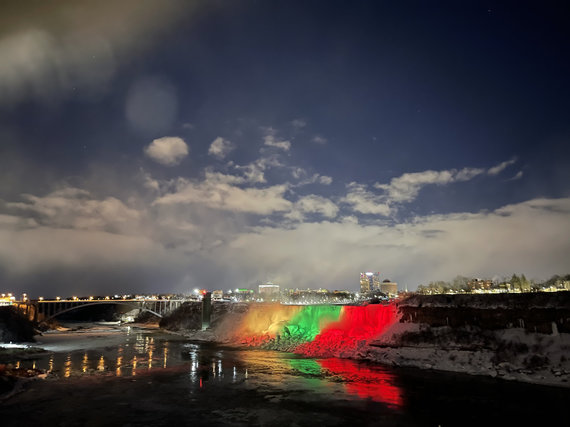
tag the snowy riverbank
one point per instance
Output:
(511, 354)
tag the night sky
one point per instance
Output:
(163, 146)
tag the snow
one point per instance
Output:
(513, 354)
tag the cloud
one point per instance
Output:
(270, 141)
(298, 123)
(364, 201)
(430, 248)
(254, 172)
(317, 204)
(75, 208)
(220, 147)
(168, 151)
(218, 191)
(495, 170)
(320, 140)
(190, 236)
(150, 183)
(299, 173)
(406, 187)
(518, 175)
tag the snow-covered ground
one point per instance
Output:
(512, 354)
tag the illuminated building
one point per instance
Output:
(389, 288)
(369, 282)
(243, 294)
(269, 291)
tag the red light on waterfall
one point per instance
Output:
(356, 324)
(365, 382)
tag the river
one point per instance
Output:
(136, 376)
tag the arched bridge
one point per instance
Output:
(48, 309)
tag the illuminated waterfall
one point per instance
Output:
(318, 330)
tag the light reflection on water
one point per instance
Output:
(67, 366)
(208, 366)
(139, 351)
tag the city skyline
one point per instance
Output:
(155, 147)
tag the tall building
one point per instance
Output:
(389, 288)
(369, 282)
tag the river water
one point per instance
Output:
(132, 376)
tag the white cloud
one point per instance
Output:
(73, 231)
(431, 248)
(317, 204)
(254, 171)
(150, 183)
(364, 201)
(168, 151)
(217, 192)
(312, 204)
(299, 173)
(271, 141)
(77, 209)
(298, 123)
(495, 170)
(220, 147)
(406, 187)
(320, 140)
(518, 175)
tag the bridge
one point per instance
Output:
(42, 310)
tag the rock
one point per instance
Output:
(14, 326)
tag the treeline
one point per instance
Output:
(515, 284)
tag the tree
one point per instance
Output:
(460, 283)
(515, 282)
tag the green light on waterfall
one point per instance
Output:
(309, 322)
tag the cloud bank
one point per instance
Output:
(239, 224)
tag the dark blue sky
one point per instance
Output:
(389, 117)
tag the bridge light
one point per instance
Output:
(41, 298)
(107, 298)
(74, 298)
(90, 298)
(57, 298)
